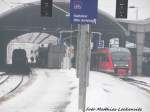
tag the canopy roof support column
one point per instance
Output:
(140, 37)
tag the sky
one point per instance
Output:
(143, 7)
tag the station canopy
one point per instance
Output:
(27, 18)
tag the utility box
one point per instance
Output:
(56, 54)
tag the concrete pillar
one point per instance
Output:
(140, 27)
(140, 37)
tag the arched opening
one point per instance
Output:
(30, 42)
(27, 19)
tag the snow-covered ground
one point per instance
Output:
(57, 91)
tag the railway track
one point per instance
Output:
(140, 84)
(10, 83)
(3, 78)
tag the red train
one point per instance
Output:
(112, 60)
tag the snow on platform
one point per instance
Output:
(109, 92)
(57, 91)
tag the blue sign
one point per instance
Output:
(83, 11)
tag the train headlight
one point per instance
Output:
(115, 65)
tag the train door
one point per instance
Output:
(104, 61)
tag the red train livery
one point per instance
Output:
(112, 60)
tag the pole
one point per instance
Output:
(83, 64)
(78, 52)
(60, 38)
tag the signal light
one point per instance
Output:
(121, 8)
(46, 7)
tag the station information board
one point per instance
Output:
(83, 11)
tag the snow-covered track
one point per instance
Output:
(19, 83)
(3, 77)
(140, 84)
(10, 84)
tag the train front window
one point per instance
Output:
(120, 57)
(103, 59)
